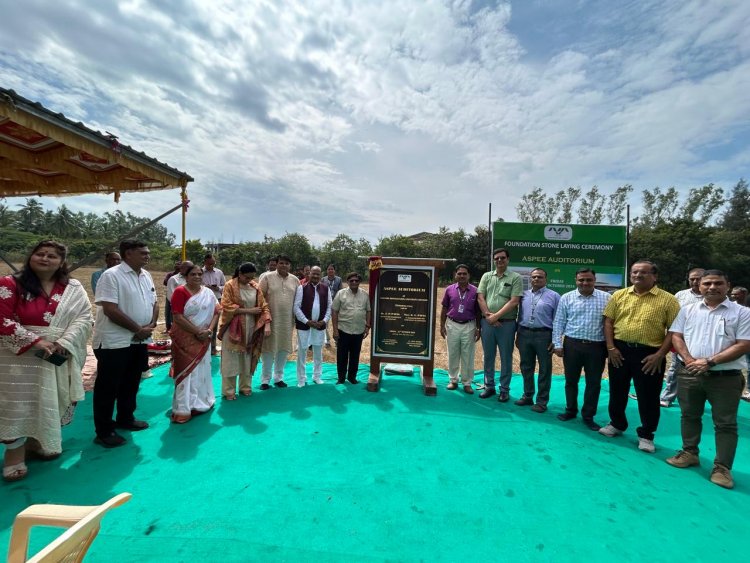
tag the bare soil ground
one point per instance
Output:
(329, 354)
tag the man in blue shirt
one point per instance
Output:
(110, 259)
(534, 339)
(580, 320)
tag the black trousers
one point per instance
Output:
(590, 357)
(168, 313)
(117, 381)
(347, 354)
(647, 387)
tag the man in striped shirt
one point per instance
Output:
(580, 320)
(636, 324)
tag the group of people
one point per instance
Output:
(47, 321)
(632, 331)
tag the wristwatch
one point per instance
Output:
(711, 363)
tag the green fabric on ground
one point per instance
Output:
(333, 473)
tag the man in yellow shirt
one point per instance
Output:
(636, 324)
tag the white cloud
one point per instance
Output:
(378, 117)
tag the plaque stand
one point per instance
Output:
(426, 365)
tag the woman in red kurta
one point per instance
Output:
(41, 311)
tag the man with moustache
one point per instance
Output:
(711, 338)
(351, 322)
(579, 320)
(460, 325)
(213, 279)
(279, 288)
(312, 308)
(685, 297)
(636, 324)
(499, 293)
(534, 339)
(125, 320)
(334, 284)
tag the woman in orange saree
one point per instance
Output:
(245, 321)
(195, 312)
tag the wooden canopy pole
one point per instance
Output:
(184, 217)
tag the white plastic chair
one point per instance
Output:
(83, 523)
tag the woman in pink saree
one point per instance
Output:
(195, 312)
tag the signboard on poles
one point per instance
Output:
(562, 249)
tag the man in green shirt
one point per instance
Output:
(498, 297)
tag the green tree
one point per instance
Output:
(7, 216)
(297, 247)
(702, 203)
(398, 245)
(675, 246)
(30, 216)
(617, 205)
(730, 251)
(344, 252)
(591, 207)
(737, 215)
(63, 223)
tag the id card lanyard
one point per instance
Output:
(534, 303)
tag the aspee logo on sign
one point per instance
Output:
(404, 278)
(558, 232)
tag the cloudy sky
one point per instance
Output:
(391, 116)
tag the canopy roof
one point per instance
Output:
(45, 153)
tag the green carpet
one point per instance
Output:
(333, 473)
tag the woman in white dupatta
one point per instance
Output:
(43, 312)
(195, 312)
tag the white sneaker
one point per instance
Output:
(646, 445)
(610, 431)
(318, 381)
(147, 374)
(300, 384)
(746, 396)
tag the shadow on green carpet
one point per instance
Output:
(333, 473)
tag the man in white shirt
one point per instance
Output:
(685, 297)
(312, 309)
(711, 339)
(213, 279)
(125, 321)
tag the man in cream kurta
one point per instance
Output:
(279, 289)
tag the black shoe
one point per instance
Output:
(264, 386)
(591, 424)
(487, 393)
(524, 401)
(353, 381)
(112, 441)
(503, 397)
(133, 426)
(566, 416)
(281, 384)
(340, 381)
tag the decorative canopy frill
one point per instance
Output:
(45, 153)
